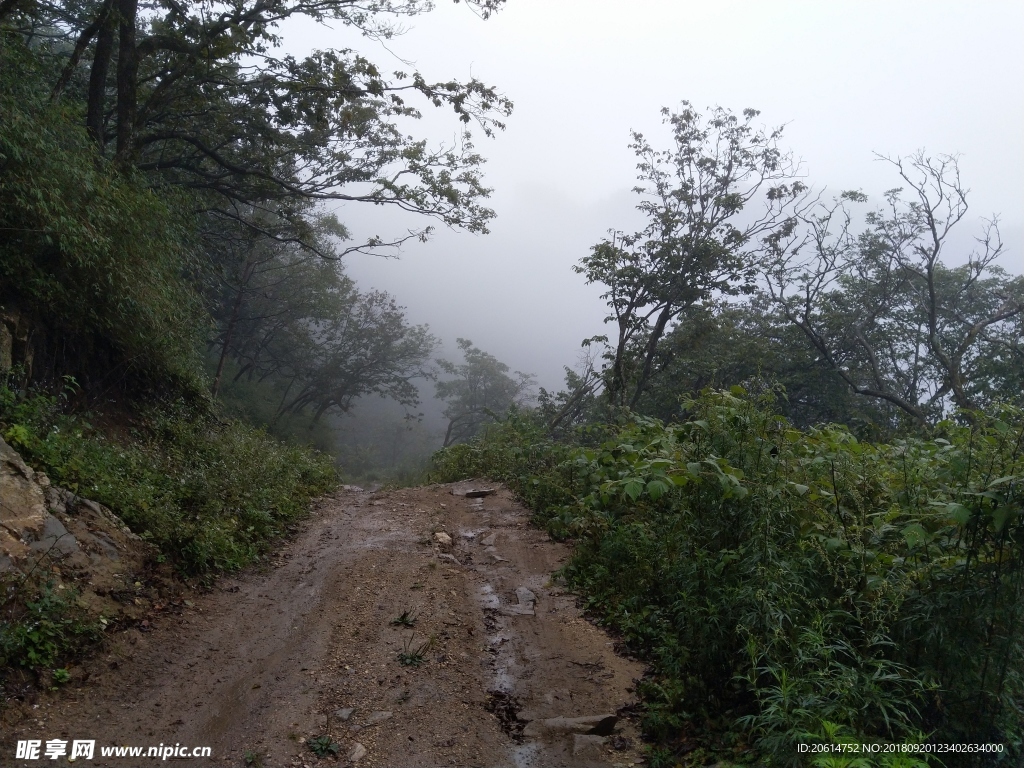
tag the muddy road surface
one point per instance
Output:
(417, 627)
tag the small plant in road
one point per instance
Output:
(322, 746)
(413, 655)
(407, 619)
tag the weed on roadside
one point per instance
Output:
(168, 481)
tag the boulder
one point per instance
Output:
(44, 528)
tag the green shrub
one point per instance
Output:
(211, 494)
(780, 579)
(42, 628)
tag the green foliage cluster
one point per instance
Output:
(211, 494)
(41, 627)
(94, 253)
(323, 746)
(777, 579)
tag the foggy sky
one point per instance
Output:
(848, 78)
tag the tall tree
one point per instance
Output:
(696, 245)
(887, 313)
(480, 392)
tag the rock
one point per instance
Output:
(595, 725)
(525, 596)
(54, 539)
(518, 610)
(358, 753)
(494, 553)
(450, 558)
(23, 514)
(375, 718)
(443, 540)
(479, 493)
(47, 529)
(344, 714)
(527, 600)
(587, 745)
(559, 694)
(489, 541)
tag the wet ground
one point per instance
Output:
(416, 627)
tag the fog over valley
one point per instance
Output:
(847, 80)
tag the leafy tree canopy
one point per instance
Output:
(200, 95)
(480, 392)
(696, 244)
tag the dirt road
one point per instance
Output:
(372, 629)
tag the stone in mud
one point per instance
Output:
(358, 753)
(525, 596)
(559, 694)
(344, 714)
(489, 541)
(494, 553)
(479, 493)
(595, 725)
(443, 540)
(376, 717)
(587, 745)
(518, 610)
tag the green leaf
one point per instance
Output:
(914, 534)
(958, 512)
(633, 488)
(656, 489)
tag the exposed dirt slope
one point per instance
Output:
(272, 658)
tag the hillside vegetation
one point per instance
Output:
(788, 584)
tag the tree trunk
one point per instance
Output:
(617, 387)
(127, 79)
(76, 55)
(98, 83)
(652, 348)
(232, 321)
